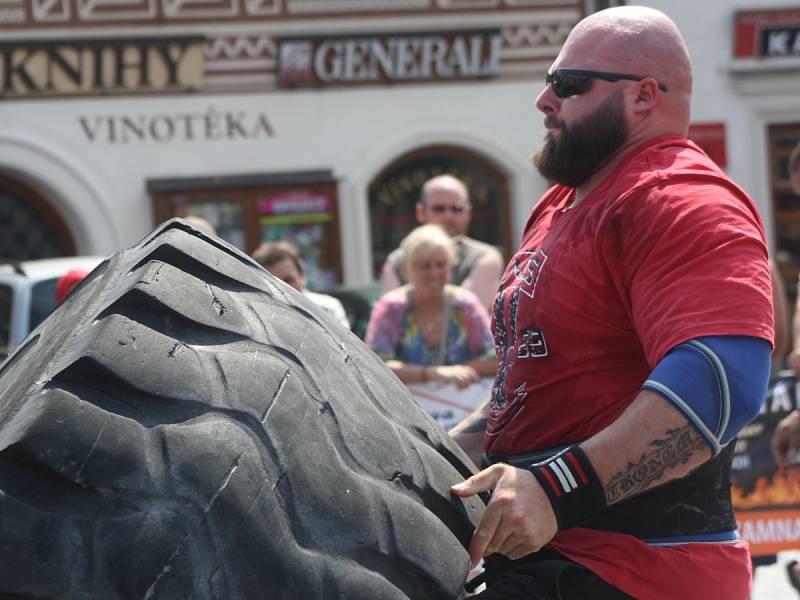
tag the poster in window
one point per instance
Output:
(304, 219)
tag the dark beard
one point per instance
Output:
(583, 147)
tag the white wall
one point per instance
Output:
(353, 132)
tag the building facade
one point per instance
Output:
(746, 56)
(318, 120)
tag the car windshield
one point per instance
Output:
(43, 299)
(5, 318)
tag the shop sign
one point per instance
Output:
(767, 34)
(398, 57)
(295, 208)
(202, 126)
(101, 66)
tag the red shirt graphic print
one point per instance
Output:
(598, 293)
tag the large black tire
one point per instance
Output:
(186, 426)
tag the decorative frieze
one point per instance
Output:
(52, 11)
(431, 39)
(307, 7)
(115, 11)
(94, 13)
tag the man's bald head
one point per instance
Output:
(445, 202)
(640, 41)
(444, 182)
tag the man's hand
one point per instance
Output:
(460, 376)
(518, 520)
(786, 440)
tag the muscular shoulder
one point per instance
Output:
(675, 183)
(685, 199)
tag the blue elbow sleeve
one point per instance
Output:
(718, 383)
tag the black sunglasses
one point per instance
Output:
(571, 82)
(440, 208)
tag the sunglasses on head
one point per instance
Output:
(454, 208)
(572, 82)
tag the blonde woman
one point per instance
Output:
(428, 329)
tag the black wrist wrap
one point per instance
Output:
(571, 484)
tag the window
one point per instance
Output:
(249, 210)
(395, 191)
(31, 228)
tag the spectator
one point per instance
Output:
(477, 266)
(428, 329)
(282, 260)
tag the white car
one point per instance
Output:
(28, 294)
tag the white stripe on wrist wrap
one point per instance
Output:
(572, 486)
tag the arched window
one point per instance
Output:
(30, 228)
(396, 189)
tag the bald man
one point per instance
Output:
(633, 330)
(445, 202)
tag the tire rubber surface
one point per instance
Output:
(184, 425)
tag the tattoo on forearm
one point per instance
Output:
(475, 425)
(667, 453)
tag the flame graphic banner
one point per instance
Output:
(767, 499)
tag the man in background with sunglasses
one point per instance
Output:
(633, 329)
(445, 202)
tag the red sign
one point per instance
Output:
(769, 34)
(295, 203)
(711, 138)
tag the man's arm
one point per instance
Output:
(469, 432)
(484, 278)
(697, 398)
(650, 444)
